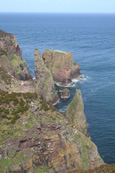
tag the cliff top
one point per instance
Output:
(56, 51)
(3, 33)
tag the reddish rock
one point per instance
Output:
(62, 66)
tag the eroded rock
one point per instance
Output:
(41, 139)
(14, 73)
(75, 113)
(44, 80)
(62, 66)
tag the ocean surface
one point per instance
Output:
(91, 39)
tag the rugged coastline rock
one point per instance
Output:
(11, 57)
(44, 80)
(14, 73)
(75, 113)
(64, 93)
(62, 66)
(35, 136)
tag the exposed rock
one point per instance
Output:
(44, 80)
(62, 66)
(64, 92)
(101, 169)
(75, 113)
(13, 70)
(11, 57)
(35, 137)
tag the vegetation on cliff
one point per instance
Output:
(75, 113)
(61, 65)
(44, 80)
(34, 135)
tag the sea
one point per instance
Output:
(91, 40)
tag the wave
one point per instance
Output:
(63, 109)
(74, 82)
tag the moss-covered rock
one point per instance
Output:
(40, 138)
(75, 113)
(13, 69)
(61, 65)
(44, 80)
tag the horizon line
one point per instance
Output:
(61, 12)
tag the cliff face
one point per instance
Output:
(34, 136)
(61, 65)
(75, 113)
(44, 80)
(11, 57)
(14, 73)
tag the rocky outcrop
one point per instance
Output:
(75, 113)
(64, 93)
(101, 169)
(35, 136)
(62, 66)
(14, 73)
(11, 57)
(44, 80)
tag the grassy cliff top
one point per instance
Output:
(3, 33)
(58, 51)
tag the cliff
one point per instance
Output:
(75, 113)
(62, 66)
(35, 136)
(14, 73)
(44, 80)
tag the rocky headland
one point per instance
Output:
(62, 66)
(34, 135)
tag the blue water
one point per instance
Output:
(91, 39)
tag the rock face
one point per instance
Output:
(36, 137)
(75, 113)
(14, 73)
(64, 93)
(11, 57)
(61, 65)
(44, 80)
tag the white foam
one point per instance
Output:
(69, 85)
(74, 82)
(63, 109)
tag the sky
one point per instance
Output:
(58, 6)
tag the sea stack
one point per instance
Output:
(44, 81)
(62, 66)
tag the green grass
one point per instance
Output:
(58, 51)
